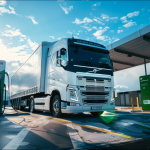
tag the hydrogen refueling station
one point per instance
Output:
(131, 51)
(3, 86)
(2, 79)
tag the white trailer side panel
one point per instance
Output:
(30, 77)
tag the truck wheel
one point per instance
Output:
(32, 110)
(96, 113)
(56, 106)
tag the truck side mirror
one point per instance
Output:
(58, 59)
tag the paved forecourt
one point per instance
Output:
(25, 130)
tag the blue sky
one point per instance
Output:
(25, 24)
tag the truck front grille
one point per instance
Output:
(94, 93)
(90, 80)
(95, 101)
(91, 97)
(95, 88)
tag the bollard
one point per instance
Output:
(138, 103)
(132, 103)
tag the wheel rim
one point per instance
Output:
(56, 106)
(31, 106)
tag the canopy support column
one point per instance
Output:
(145, 66)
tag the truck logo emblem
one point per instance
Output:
(95, 70)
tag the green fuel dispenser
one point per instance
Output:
(145, 91)
(2, 78)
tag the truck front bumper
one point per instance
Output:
(79, 109)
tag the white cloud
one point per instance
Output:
(122, 77)
(95, 28)
(12, 33)
(96, 20)
(52, 37)
(135, 13)
(107, 18)
(3, 2)
(96, 4)
(129, 15)
(65, 9)
(85, 20)
(87, 28)
(4, 10)
(15, 64)
(119, 31)
(21, 40)
(16, 54)
(120, 88)
(98, 34)
(124, 19)
(114, 18)
(33, 45)
(33, 20)
(13, 53)
(129, 24)
(8, 26)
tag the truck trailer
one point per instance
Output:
(66, 76)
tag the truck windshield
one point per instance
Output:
(88, 57)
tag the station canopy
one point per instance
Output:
(132, 50)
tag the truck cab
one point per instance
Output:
(82, 73)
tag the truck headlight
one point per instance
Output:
(73, 95)
(112, 103)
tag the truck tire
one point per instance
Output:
(32, 110)
(96, 113)
(56, 106)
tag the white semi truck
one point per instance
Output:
(66, 76)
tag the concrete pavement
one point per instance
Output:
(24, 130)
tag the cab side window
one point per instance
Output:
(63, 56)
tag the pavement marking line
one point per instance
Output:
(15, 142)
(90, 127)
(75, 138)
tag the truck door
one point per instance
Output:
(61, 73)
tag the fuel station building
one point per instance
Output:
(128, 52)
